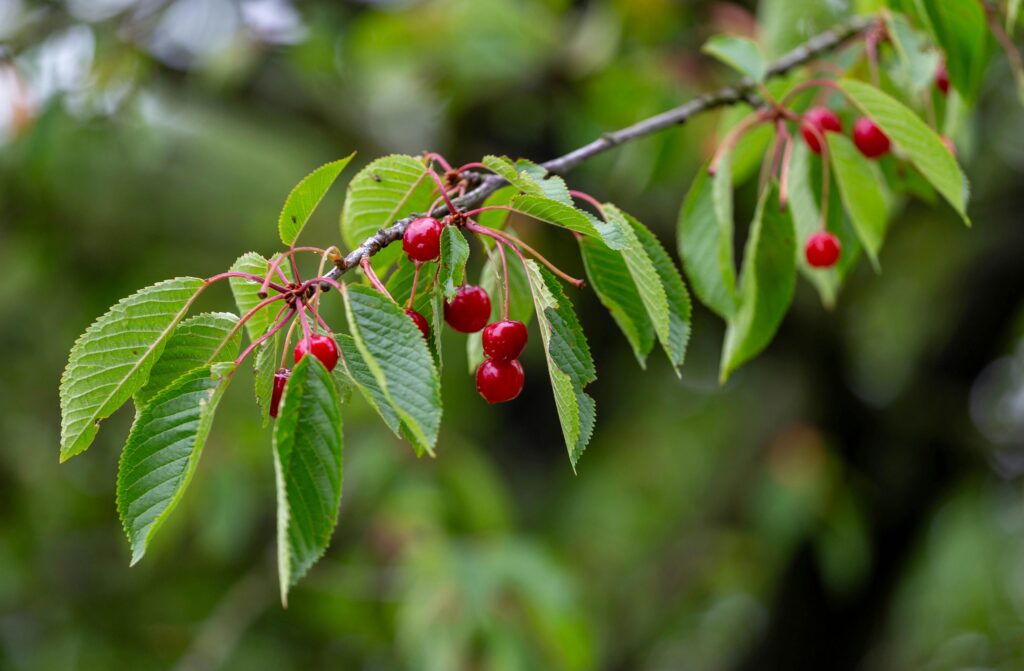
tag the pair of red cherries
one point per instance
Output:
(500, 377)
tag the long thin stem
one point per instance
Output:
(586, 197)
(516, 242)
(504, 271)
(415, 281)
(733, 137)
(374, 280)
(246, 317)
(441, 160)
(263, 338)
(787, 157)
(443, 189)
(249, 276)
(825, 176)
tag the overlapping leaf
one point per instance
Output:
(766, 284)
(530, 178)
(191, 345)
(308, 467)
(113, 358)
(705, 239)
(520, 298)
(384, 191)
(163, 449)
(559, 214)
(394, 351)
(961, 29)
(570, 366)
(912, 136)
(863, 192)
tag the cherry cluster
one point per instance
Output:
(823, 248)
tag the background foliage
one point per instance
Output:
(850, 498)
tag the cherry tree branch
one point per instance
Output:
(743, 92)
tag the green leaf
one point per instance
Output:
(246, 292)
(383, 192)
(644, 274)
(609, 276)
(740, 53)
(362, 379)
(675, 291)
(863, 191)
(915, 139)
(308, 468)
(530, 178)
(766, 284)
(454, 254)
(961, 29)
(162, 451)
(559, 214)
(1012, 12)
(305, 197)
(705, 239)
(570, 366)
(395, 352)
(915, 71)
(192, 344)
(520, 301)
(112, 359)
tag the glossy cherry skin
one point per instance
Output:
(469, 310)
(504, 340)
(824, 120)
(422, 239)
(420, 321)
(499, 381)
(280, 378)
(869, 138)
(322, 347)
(942, 79)
(822, 250)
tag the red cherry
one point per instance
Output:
(280, 377)
(323, 347)
(469, 311)
(499, 381)
(422, 239)
(504, 340)
(824, 120)
(822, 250)
(420, 321)
(869, 138)
(942, 79)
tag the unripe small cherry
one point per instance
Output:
(942, 79)
(869, 138)
(822, 250)
(422, 239)
(824, 120)
(504, 340)
(420, 321)
(322, 347)
(469, 310)
(499, 381)
(280, 378)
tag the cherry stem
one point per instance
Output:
(372, 276)
(415, 281)
(278, 325)
(487, 208)
(504, 272)
(434, 156)
(474, 165)
(444, 191)
(787, 156)
(307, 333)
(288, 342)
(871, 47)
(733, 137)
(771, 160)
(814, 83)
(586, 197)
(319, 272)
(248, 276)
(515, 244)
(246, 317)
(825, 177)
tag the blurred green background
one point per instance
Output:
(851, 500)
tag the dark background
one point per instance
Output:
(850, 500)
